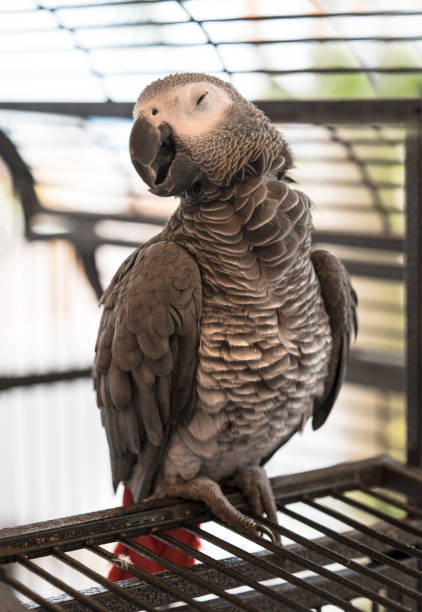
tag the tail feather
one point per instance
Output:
(168, 552)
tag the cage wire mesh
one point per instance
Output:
(69, 73)
(351, 539)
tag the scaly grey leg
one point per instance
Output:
(206, 490)
(256, 488)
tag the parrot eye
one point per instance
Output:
(154, 111)
(201, 97)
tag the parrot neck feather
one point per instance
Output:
(248, 239)
(269, 157)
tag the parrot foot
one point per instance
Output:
(256, 488)
(209, 492)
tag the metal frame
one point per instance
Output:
(381, 562)
(386, 110)
(414, 294)
(208, 40)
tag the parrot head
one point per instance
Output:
(192, 128)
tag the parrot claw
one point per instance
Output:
(209, 492)
(274, 536)
(256, 488)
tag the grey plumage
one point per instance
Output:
(148, 335)
(222, 335)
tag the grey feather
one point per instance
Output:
(222, 335)
(133, 378)
(340, 302)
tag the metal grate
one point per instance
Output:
(378, 562)
(110, 45)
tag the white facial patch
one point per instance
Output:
(191, 110)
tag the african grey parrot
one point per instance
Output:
(223, 334)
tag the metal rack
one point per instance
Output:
(378, 559)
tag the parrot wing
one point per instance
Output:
(146, 357)
(340, 302)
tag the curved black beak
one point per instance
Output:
(153, 152)
(144, 145)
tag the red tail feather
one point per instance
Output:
(166, 551)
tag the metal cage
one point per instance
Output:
(373, 561)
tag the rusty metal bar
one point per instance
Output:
(343, 476)
(103, 526)
(399, 503)
(24, 590)
(73, 532)
(78, 595)
(96, 577)
(56, 537)
(151, 578)
(405, 479)
(409, 550)
(350, 564)
(279, 571)
(350, 542)
(243, 579)
(185, 573)
(312, 589)
(378, 513)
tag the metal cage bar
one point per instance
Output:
(376, 562)
(413, 252)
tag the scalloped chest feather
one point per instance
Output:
(265, 339)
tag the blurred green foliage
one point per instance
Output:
(356, 85)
